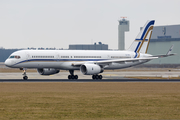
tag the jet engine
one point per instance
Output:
(91, 69)
(47, 71)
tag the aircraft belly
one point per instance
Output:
(57, 65)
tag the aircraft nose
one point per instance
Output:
(8, 63)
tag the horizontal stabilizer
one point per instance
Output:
(168, 53)
(160, 56)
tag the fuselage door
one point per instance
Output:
(57, 57)
(27, 55)
(108, 56)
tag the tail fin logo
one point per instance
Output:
(142, 39)
(141, 42)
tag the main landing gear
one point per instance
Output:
(25, 77)
(97, 77)
(72, 76)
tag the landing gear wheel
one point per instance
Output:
(76, 77)
(97, 77)
(25, 77)
(100, 77)
(93, 77)
(69, 76)
(72, 77)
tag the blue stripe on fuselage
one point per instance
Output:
(57, 60)
(136, 55)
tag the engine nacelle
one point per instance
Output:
(47, 71)
(91, 69)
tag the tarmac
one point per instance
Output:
(124, 74)
(89, 80)
(106, 75)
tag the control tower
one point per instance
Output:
(122, 28)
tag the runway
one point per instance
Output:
(163, 76)
(90, 80)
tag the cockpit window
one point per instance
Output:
(11, 57)
(15, 56)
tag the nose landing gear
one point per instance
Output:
(25, 77)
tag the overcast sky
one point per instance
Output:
(58, 23)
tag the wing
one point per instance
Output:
(106, 62)
(125, 60)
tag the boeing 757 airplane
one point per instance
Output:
(89, 62)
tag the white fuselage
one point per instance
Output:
(64, 59)
(89, 62)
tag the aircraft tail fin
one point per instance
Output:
(141, 43)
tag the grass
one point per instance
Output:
(87, 101)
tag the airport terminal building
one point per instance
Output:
(163, 37)
(94, 46)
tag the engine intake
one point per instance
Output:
(47, 71)
(91, 69)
